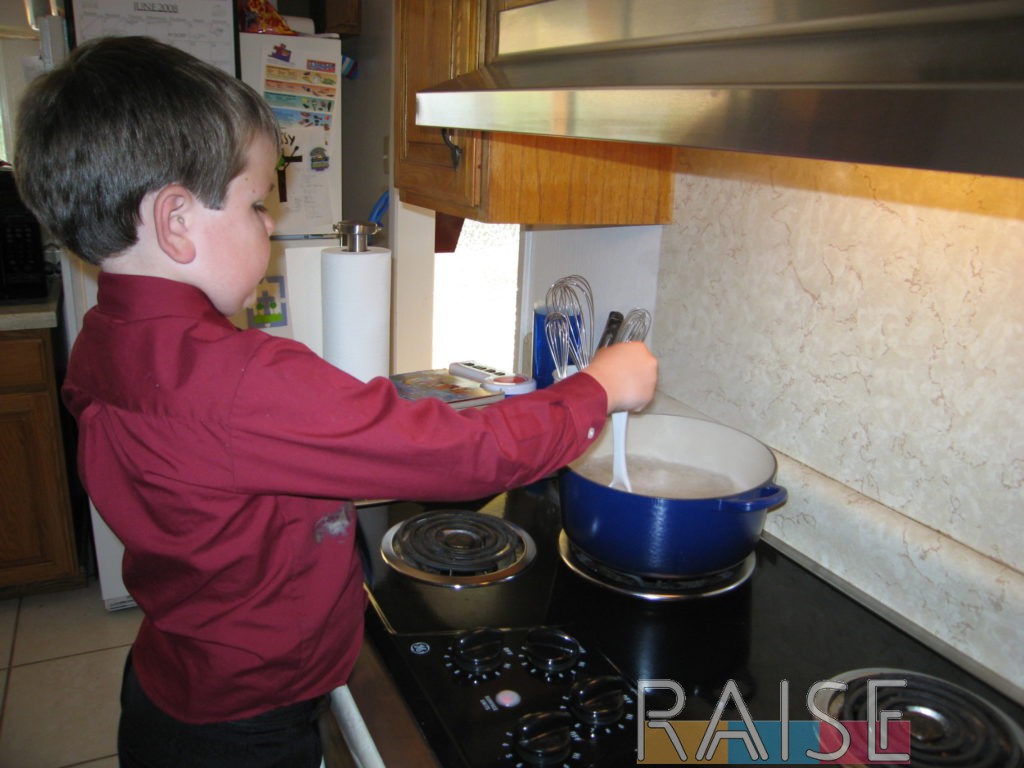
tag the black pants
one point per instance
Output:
(282, 738)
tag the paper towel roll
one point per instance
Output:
(356, 290)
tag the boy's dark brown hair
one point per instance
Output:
(122, 117)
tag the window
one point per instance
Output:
(19, 63)
(475, 297)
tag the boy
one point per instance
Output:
(226, 460)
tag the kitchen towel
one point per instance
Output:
(356, 288)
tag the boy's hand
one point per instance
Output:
(628, 372)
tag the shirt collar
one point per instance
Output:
(138, 297)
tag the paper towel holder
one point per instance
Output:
(355, 234)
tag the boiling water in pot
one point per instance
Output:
(656, 477)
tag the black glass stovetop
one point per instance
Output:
(784, 623)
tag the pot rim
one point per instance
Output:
(766, 485)
(574, 467)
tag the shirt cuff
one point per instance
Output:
(587, 403)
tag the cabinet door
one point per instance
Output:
(36, 540)
(343, 16)
(504, 177)
(436, 40)
(35, 532)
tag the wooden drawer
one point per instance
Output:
(24, 359)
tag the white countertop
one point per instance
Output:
(32, 314)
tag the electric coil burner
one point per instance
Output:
(457, 548)
(949, 726)
(649, 587)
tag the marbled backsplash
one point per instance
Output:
(868, 324)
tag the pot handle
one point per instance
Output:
(764, 497)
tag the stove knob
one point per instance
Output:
(478, 651)
(551, 650)
(598, 701)
(544, 738)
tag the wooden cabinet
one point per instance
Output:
(37, 548)
(503, 177)
(343, 17)
(435, 40)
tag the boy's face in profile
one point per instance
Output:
(234, 241)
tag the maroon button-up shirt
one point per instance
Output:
(224, 459)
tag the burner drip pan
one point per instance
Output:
(949, 726)
(457, 548)
(655, 589)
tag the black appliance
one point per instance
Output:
(22, 263)
(529, 663)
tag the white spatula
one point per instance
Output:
(634, 327)
(620, 475)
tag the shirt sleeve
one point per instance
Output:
(300, 426)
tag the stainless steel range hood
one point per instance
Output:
(936, 84)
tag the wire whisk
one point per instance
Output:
(572, 297)
(559, 337)
(635, 326)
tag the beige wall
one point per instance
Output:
(867, 323)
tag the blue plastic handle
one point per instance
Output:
(380, 207)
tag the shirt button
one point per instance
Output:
(590, 433)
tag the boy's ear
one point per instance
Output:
(172, 208)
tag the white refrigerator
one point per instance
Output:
(300, 77)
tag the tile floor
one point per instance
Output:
(61, 658)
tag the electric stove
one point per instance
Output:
(535, 661)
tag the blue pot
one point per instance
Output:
(701, 492)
